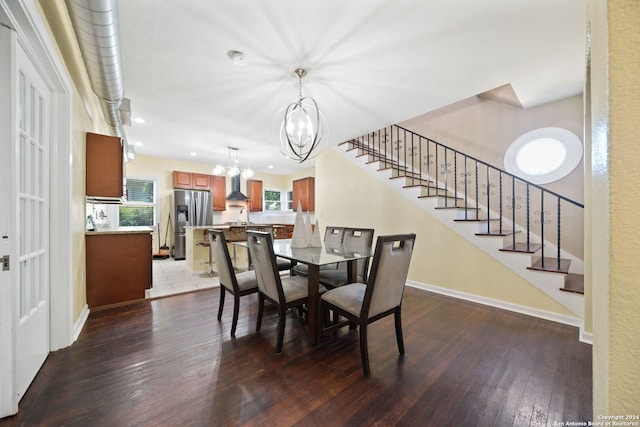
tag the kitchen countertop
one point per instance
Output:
(116, 230)
(227, 226)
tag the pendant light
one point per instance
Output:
(302, 126)
(232, 169)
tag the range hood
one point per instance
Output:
(235, 190)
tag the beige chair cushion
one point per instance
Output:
(349, 297)
(247, 280)
(297, 287)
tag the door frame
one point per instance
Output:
(24, 19)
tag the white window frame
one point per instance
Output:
(154, 204)
(568, 139)
(283, 200)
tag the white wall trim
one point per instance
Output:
(34, 35)
(79, 324)
(516, 308)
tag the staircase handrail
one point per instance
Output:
(553, 193)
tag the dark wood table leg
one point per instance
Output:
(352, 271)
(314, 303)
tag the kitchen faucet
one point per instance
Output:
(243, 210)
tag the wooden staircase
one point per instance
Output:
(560, 277)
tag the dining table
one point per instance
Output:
(315, 258)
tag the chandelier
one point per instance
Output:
(232, 169)
(302, 127)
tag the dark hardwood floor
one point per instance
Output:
(169, 362)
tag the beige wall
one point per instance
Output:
(348, 196)
(86, 116)
(615, 231)
(485, 128)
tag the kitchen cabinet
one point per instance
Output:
(105, 167)
(201, 181)
(304, 192)
(219, 192)
(254, 192)
(118, 267)
(182, 180)
(191, 181)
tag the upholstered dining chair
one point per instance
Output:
(381, 296)
(283, 292)
(354, 240)
(282, 263)
(238, 284)
(332, 236)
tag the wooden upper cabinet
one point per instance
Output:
(304, 191)
(201, 181)
(254, 193)
(219, 192)
(105, 166)
(182, 180)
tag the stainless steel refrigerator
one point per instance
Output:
(190, 208)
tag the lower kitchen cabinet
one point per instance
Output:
(118, 267)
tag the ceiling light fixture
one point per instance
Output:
(238, 58)
(303, 126)
(232, 169)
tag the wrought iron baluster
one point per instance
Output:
(500, 201)
(477, 189)
(528, 219)
(542, 222)
(558, 227)
(466, 190)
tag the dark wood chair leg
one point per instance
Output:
(260, 311)
(282, 317)
(399, 330)
(221, 305)
(236, 310)
(364, 352)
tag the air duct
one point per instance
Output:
(95, 23)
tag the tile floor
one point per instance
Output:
(173, 277)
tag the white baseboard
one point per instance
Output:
(529, 311)
(585, 337)
(82, 319)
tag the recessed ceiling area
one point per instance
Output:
(370, 64)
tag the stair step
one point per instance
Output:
(574, 283)
(551, 264)
(476, 219)
(497, 233)
(522, 247)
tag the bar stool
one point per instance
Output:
(207, 244)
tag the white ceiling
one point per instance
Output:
(370, 63)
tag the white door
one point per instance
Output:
(30, 223)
